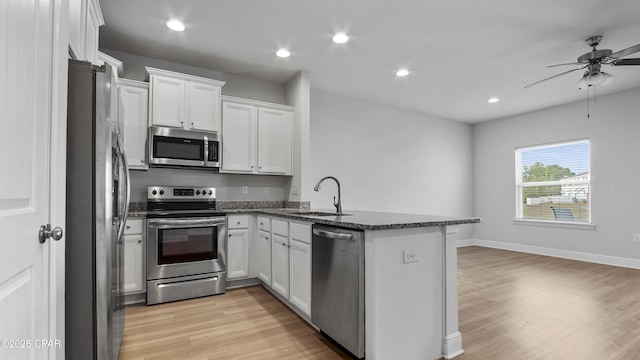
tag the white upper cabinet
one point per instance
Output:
(256, 137)
(274, 141)
(239, 131)
(203, 110)
(168, 101)
(184, 101)
(85, 19)
(132, 113)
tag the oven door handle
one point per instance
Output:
(184, 223)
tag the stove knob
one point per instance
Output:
(204, 192)
(154, 192)
(161, 192)
(197, 192)
(210, 192)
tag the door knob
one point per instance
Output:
(45, 232)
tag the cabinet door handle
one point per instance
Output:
(142, 161)
(192, 125)
(181, 123)
(238, 222)
(139, 241)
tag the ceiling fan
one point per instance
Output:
(593, 60)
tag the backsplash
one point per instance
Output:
(228, 186)
(140, 207)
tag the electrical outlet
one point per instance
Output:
(410, 256)
(295, 190)
(266, 189)
(245, 190)
(636, 238)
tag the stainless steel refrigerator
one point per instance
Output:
(97, 207)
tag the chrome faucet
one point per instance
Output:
(337, 204)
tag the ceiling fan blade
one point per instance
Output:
(625, 52)
(554, 76)
(634, 61)
(550, 66)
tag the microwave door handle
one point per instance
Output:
(206, 150)
(127, 199)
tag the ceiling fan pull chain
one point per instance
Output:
(588, 112)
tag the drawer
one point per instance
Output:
(238, 222)
(133, 226)
(264, 223)
(280, 227)
(301, 232)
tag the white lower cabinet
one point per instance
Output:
(264, 249)
(291, 262)
(280, 265)
(237, 247)
(300, 266)
(134, 257)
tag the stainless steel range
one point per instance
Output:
(186, 244)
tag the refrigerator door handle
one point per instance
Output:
(127, 199)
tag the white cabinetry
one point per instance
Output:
(291, 262)
(256, 137)
(300, 266)
(280, 257)
(85, 19)
(264, 249)
(132, 113)
(184, 101)
(134, 257)
(237, 246)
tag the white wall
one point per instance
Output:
(614, 131)
(389, 159)
(236, 85)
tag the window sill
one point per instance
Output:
(558, 224)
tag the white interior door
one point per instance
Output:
(26, 108)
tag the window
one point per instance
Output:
(553, 182)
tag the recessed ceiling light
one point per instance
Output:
(283, 53)
(493, 100)
(175, 25)
(402, 72)
(340, 38)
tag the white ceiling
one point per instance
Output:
(460, 53)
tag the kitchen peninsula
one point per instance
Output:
(410, 286)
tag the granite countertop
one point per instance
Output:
(362, 220)
(359, 220)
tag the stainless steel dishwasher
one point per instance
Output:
(337, 285)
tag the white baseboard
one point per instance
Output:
(465, 242)
(452, 345)
(564, 254)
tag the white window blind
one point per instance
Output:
(553, 182)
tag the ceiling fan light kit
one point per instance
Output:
(593, 60)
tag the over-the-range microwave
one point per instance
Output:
(176, 148)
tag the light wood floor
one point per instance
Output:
(513, 306)
(521, 306)
(247, 323)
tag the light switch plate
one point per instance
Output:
(245, 190)
(410, 256)
(266, 190)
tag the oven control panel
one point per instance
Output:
(181, 193)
